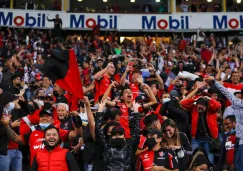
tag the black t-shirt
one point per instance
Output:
(166, 158)
(200, 128)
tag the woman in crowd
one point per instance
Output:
(177, 141)
(199, 162)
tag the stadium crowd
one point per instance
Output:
(147, 105)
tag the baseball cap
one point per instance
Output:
(45, 112)
(117, 130)
(49, 97)
(154, 131)
(174, 93)
(141, 99)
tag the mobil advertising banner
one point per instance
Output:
(123, 22)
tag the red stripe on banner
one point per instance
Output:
(72, 81)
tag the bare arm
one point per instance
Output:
(193, 93)
(158, 78)
(13, 136)
(90, 88)
(152, 98)
(217, 77)
(123, 78)
(99, 74)
(90, 115)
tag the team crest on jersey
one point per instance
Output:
(66, 124)
(161, 154)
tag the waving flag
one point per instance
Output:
(62, 68)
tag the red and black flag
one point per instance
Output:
(62, 68)
(96, 30)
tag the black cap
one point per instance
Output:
(117, 130)
(49, 97)
(45, 112)
(154, 131)
(6, 97)
(174, 93)
(141, 99)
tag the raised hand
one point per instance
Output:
(135, 106)
(199, 85)
(16, 123)
(86, 101)
(5, 120)
(102, 105)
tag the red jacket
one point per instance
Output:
(53, 161)
(211, 117)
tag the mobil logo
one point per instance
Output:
(156, 22)
(82, 21)
(26, 20)
(224, 22)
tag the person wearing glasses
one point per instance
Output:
(229, 145)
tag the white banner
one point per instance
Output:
(124, 22)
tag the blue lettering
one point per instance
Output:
(30, 21)
(219, 24)
(171, 21)
(115, 22)
(76, 24)
(241, 21)
(43, 20)
(6, 20)
(102, 22)
(146, 24)
(187, 22)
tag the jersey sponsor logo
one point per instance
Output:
(39, 139)
(41, 146)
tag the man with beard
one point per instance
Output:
(16, 85)
(35, 138)
(53, 157)
(156, 158)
